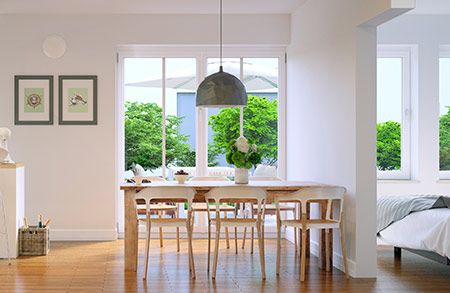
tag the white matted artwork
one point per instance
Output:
(33, 100)
(78, 99)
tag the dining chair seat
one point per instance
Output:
(167, 194)
(325, 194)
(235, 194)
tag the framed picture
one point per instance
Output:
(33, 100)
(78, 99)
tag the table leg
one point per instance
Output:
(131, 231)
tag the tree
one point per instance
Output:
(388, 146)
(260, 126)
(143, 137)
(444, 141)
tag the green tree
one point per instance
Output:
(388, 146)
(444, 141)
(260, 126)
(143, 137)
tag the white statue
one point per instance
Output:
(5, 133)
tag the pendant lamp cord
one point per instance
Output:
(221, 40)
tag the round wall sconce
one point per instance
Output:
(54, 47)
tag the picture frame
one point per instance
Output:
(77, 99)
(33, 100)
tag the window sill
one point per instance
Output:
(443, 181)
(409, 181)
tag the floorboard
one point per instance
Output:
(98, 267)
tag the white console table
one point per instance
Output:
(12, 185)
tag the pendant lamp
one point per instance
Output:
(221, 89)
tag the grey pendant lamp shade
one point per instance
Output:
(221, 89)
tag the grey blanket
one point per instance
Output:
(394, 208)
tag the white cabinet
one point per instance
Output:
(12, 185)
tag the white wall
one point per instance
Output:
(331, 111)
(70, 170)
(428, 32)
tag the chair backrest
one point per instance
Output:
(166, 193)
(265, 178)
(237, 193)
(316, 193)
(210, 178)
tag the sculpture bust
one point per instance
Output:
(5, 134)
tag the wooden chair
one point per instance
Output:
(270, 210)
(236, 194)
(161, 210)
(305, 196)
(167, 194)
(223, 208)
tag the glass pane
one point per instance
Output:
(181, 85)
(143, 114)
(261, 113)
(444, 110)
(223, 123)
(389, 113)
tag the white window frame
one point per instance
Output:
(201, 53)
(444, 52)
(405, 53)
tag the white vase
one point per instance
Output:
(241, 175)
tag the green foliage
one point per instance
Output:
(444, 141)
(143, 137)
(388, 146)
(243, 159)
(260, 126)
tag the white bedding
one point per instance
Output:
(426, 230)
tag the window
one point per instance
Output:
(444, 113)
(165, 132)
(393, 112)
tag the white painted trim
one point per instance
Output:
(83, 234)
(444, 52)
(409, 65)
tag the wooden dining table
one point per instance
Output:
(273, 189)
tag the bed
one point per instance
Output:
(420, 224)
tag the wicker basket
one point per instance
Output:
(34, 241)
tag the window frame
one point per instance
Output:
(444, 52)
(405, 53)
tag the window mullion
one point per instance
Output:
(163, 142)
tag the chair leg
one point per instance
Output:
(261, 251)
(147, 248)
(253, 230)
(303, 256)
(209, 246)
(344, 256)
(235, 231)
(295, 229)
(245, 230)
(191, 251)
(227, 236)
(327, 250)
(216, 250)
(178, 234)
(160, 231)
(278, 244)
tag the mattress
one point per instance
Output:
(426, 230)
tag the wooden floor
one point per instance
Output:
(98, 267)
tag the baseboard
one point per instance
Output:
(201, 235)
(83, 234)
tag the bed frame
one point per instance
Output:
(424, 253)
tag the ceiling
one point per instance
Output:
(431, 7)
(148, 6)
